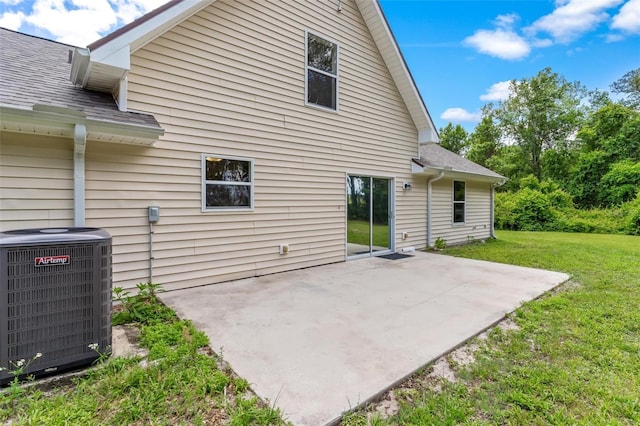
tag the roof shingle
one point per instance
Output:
(433, 155)
(34, 70)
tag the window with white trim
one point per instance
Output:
(321, 72)
(459, 197)
(227, 183)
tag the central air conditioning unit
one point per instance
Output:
(55, 298)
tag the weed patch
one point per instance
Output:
(180, 381)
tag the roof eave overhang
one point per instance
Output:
(104, 63)
(57, 121)
(392, 56)
(417, 169)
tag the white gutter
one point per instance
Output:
(79, 145)
(429, 193)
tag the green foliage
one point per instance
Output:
(540, 112)
(545, 207)
(620, 184)
(143, 307)
(484, 141)
(528, 209)
(555, 130)
(631, 213)
(586, 177)
(629, 84)
(454, 138)
(440, 243)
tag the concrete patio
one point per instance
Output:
(319, 341)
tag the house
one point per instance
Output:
(265, 137)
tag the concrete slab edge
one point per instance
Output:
(379, 395)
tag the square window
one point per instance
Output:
(321, 72)
(227, 183)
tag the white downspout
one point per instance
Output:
(493, 206)
(79, 146)
(429, 191)
(492, 233)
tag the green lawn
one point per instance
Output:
(358, 233)
(575, 358)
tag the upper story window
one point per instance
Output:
(459, 199)
(322, 72)
(227, 183)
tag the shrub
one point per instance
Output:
(620, 184)
(532, 210)
(504, 207)
(631, 220)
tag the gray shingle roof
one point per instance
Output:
(433, 155)
(34, 70)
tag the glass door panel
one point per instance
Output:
(369, 215)
(358, 215)
(380, 219)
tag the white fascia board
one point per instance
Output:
(66, 121)
(120, 59)
(144, 33)
(386, 43)
(428, 135)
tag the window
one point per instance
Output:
(322, 72)
(227, 183)
(458, 201)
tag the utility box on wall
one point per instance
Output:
(55, 298)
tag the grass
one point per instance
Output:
(179, 382)
(358, 233)
(575, 358)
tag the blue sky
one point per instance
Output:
(458, 50)
(461, 52)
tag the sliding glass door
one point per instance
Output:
(369, 215)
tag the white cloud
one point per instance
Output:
(628, 18)
(12, 20)
(78, 22)
(506, 21)
(572, 18)
(460, 114)
(501, 43)
(497, 92)
(544, 42)
(612, 38)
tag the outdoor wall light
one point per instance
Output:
(406, 186)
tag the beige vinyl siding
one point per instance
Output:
(477, 224)
(230, 81)
(36, 181)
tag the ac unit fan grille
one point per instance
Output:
(58, 310)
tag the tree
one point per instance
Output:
(606, 171)
(454, 138)
(629, 84)
(539, 113)
(484, 141)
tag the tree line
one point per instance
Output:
(572, 155)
